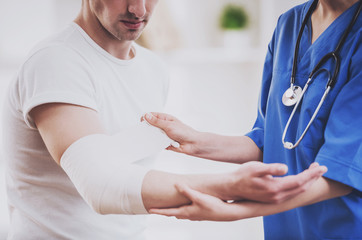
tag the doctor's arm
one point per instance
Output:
(206, 207)
(76, 140)
(233, 149)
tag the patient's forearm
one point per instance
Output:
(158, 189)
(251, 181)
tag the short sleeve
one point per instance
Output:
(342, 150)
(257, 133)
(55, 74)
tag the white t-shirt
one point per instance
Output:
(70, 67)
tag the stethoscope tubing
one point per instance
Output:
(290, 145)
(337, 61)
(331, 80)
(334, 54)
(297, 44)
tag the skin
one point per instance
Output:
(233, 149)
(206, 207)
(113, 25)
(214, 208)
(325, 13)
(253, 180)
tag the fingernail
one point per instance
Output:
(315, 164)
(148, 116)
(283, 168)
(175, 144)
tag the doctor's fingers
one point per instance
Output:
(302, 181)
(192, 195)
(164, 116)
(289, 194)
(279, 189)
(194, 211)
(296, 189)
(155, 121)
(171, 212)
(203, 207)
(313, 165)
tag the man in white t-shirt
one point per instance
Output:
(77, 158)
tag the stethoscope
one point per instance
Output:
(294, 94)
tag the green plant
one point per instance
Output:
(233, 17)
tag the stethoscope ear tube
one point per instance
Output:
(295, 99)
(337, 62)
(296, 49)
(333, 80)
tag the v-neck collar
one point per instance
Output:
(340, 19)
(326, 42)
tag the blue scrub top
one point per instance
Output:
(335, 137)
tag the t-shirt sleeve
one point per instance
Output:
(56, 74)
(257, 133)
(342, 151)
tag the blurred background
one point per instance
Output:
(215, 74)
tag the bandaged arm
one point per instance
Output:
(103, 171)
(103, 167)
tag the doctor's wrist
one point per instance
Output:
(205, 144)
(198, 144)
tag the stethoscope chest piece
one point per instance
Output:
(292, 95)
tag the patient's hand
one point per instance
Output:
(207, 207)
(254, 182)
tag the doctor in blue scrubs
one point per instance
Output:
(298, 124)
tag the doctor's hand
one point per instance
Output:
(263, 194)
(205, 207)
(262, 182)
(176, 130)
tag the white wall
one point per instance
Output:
(212, 89)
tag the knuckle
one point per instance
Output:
(197, 200)
(303, 188)
(275, 194)
(273, 190)
(254, 171)
(299, 183)
(277, 199)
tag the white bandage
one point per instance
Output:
(103, 171)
